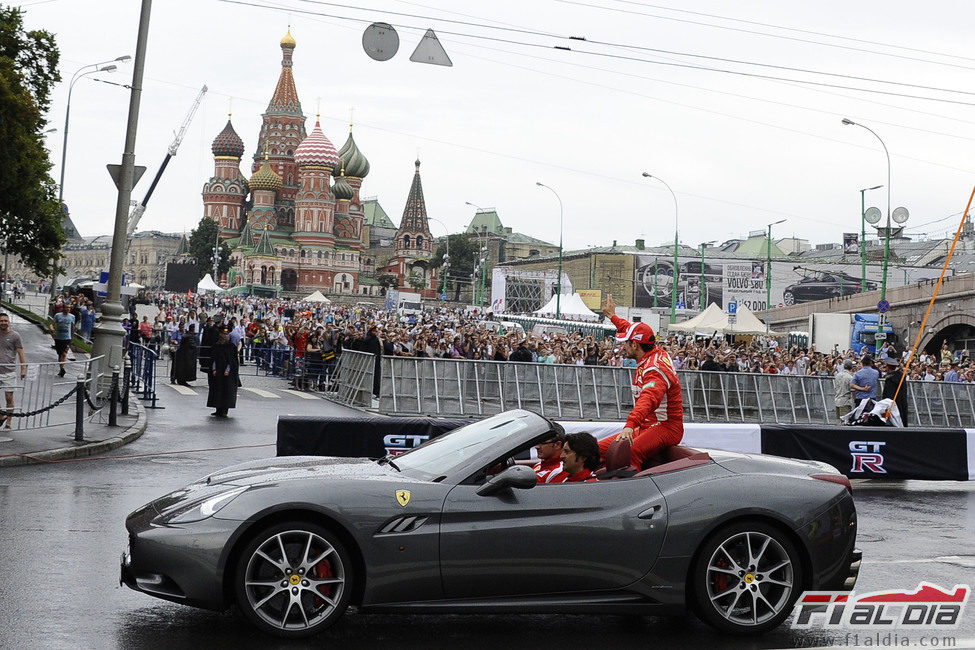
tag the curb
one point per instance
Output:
(129, 434)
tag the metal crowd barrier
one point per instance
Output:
(142, 372)
(426, 386)
(45, 398)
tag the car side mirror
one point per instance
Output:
(520, 477)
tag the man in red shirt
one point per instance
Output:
(657, 418)
(549, 463)
(580, 456)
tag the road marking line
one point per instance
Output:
(182, 390)
(298, 393)
(261, 393)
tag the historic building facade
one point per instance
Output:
(298, 223)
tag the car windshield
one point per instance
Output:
(435, 458)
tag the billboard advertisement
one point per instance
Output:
(744, 281)
(591, 298)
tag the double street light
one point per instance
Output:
(863, 237)
(558, 281)
(673, 288)
(83, 71)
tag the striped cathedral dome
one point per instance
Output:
(228, 143)
(317, 150)
(356, 165)
(265, 178)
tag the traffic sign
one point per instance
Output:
(881, 336)
(732, 307)
(883, 306)
(732, 318)
(443, 296)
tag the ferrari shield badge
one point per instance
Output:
(403, 496)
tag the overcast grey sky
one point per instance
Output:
(740, 152)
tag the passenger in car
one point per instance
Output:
(549, 453)
(580, 456)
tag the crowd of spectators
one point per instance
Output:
(321, 331)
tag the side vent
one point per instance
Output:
(402, 524)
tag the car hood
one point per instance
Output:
(289, 468)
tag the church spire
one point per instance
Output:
(285, 98)
(414, 221)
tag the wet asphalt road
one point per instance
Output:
(62, 532)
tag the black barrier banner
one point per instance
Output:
(874, 452)
(352, 437)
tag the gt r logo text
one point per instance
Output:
(867, 457)
(929, 606)
(396, 444)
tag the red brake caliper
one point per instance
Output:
(721, 579)
(323, 570)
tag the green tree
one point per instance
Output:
(463, 255)
(30, 217)
(387, 281)
(202, 240)
(417, 281)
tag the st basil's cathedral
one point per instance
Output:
(297, 225)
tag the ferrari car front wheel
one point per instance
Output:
(293, 579)
(747, 577)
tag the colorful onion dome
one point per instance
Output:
(228, 143)
(356, 165)
(342, 190)
(265, 178)
(288, 40)
(316, 149)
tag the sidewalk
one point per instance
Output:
(24, 446)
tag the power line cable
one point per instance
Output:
(621, 57)
(788, 38)
(794, 29)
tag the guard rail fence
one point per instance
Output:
(429, 386)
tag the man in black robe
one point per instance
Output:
(223, 376)
(891, 382)
(184, 361)
(208, 337)
(372, 344)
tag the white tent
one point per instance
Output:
(207, 284)
(571, 306)
(708, 321)
(747, 323)
(317, 297)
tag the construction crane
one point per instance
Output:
(140, 208)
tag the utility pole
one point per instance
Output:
(109, 333)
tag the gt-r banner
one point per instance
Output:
(858, 452)
(875, 452)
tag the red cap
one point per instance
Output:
(639, 332)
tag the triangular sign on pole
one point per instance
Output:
(430, 51)
(115, 171)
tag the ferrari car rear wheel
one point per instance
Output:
(293, 579)
(747, 578)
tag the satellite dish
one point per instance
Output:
(872, 215)
(900, 215)
(380, 41)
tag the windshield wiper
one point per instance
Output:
(389, 460)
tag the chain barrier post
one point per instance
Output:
(79, 414)
(113, 399)
(125, 386)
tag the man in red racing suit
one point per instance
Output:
(657, 418)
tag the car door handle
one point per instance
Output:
(648, 513)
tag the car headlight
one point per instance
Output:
(202, 508)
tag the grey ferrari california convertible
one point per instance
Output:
(456, 525)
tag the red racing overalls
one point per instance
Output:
(657, 418)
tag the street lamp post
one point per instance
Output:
(863, 237)
(478, 294)
(446, 258)
(768, 268)
(673, 288)
(883, 284)
(703, 286)
(83, 71)
(558, 281)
